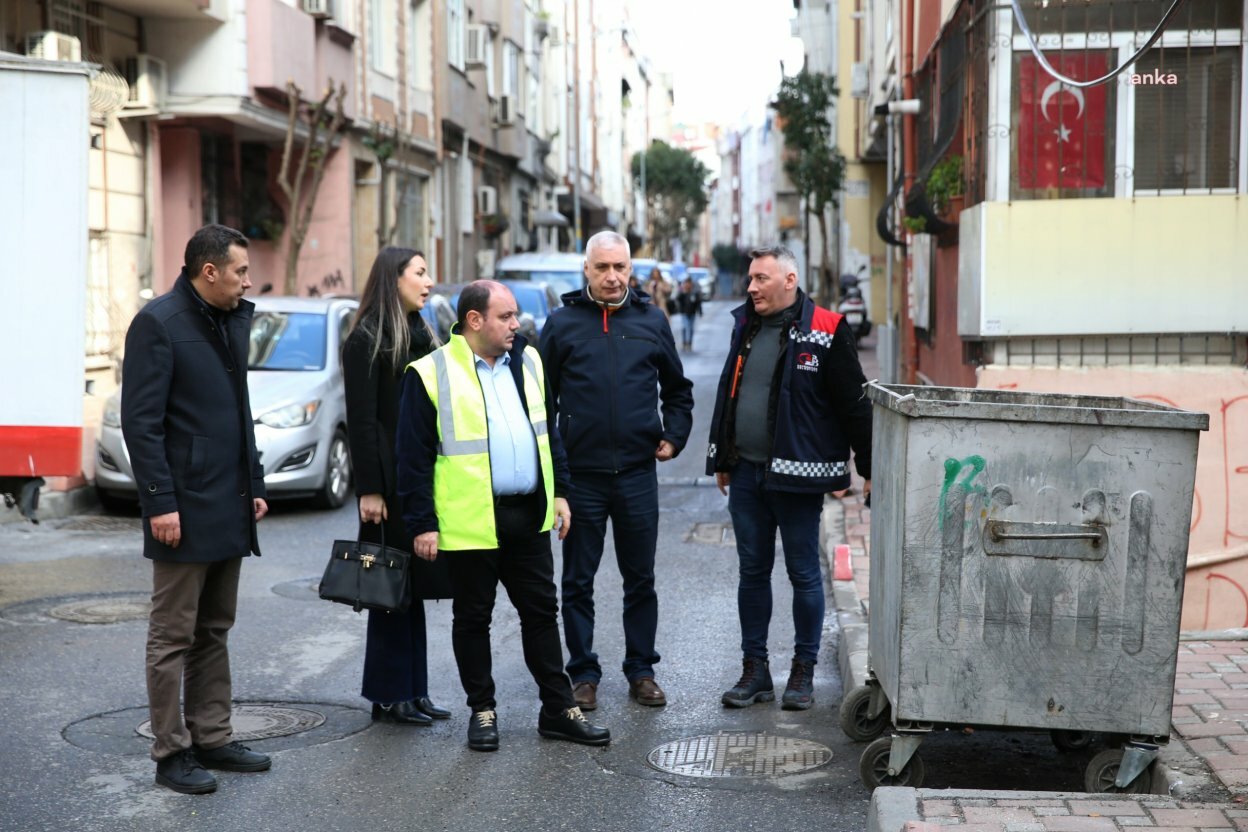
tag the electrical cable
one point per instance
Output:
(1031, 42)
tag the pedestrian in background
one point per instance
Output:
(790, 407)
(389, 333)
(689, 305)
(660, 293)
(187, 423)
(611, 359)
(482, 478)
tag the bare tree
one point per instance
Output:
(323, 130)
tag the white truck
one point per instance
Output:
(43, 266)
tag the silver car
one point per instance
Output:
(295, 382)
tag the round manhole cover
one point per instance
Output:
(262, 722)
(739, 754)
(300, 589)
(103, 610)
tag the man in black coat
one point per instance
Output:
(611, 361)
(187, 422)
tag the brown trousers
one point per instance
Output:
(193, 607)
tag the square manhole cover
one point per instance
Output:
(739, 754)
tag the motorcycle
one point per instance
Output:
(854, 309)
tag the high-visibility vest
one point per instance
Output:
(463, 493)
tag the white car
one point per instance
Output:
(562, 270)
(295, 383)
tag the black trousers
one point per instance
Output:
(524, 564)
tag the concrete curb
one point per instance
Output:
(892, 808)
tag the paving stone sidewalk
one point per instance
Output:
(936, 810)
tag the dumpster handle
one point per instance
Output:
(1095, 537)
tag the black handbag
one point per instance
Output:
(369, 576)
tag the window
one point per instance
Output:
(382, 39)
(455, 33)
(1187, 119)
(419, 67)
(511, 71)
(491, 88)
(1062, 138)
(411, 211)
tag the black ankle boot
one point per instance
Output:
(400, 713)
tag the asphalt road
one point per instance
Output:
(73, 695)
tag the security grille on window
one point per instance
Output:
(1187, 119)
(1169, 124)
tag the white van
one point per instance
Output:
(562, 270)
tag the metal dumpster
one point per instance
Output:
(1027, 561)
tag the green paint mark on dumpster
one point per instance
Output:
(972, 466)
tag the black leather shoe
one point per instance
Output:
(233, 756)
(400, 713)
(483, 731)
(183, 773)
(425, 705)
(572, 725)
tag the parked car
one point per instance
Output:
(295, 382)
(703, 280)
(562, 270)
(440, 313)
(536, 298)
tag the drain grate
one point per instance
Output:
(262, 721)
(714, 534)
(102, 523)
(739, 754)
(103, 610)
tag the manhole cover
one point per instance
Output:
(103, 610)
(271, 726)
(95, 608)
(739, 754)
(262, 722)
(93, 523)
(301, 589)
(715, 534)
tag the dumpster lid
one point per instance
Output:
(1017, 406)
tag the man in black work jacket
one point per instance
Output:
(611, 359)
(187, 422)
(790, 406)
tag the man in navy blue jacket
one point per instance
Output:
(789, 408)
(610, 359)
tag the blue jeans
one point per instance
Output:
(756, 514)
(686, 329)
(631, 500)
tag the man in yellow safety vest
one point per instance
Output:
(481, 475)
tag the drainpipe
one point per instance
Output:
(908, 342)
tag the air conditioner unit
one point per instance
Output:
(148, 80)
(487, 200)
(319, 8)
(506, 111)
(54, 46)
(859, 83)
(477, 44)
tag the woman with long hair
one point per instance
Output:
(660, 293)
(388, 334)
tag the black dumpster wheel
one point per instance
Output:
(1072, 740)
(1103, 770)
(873, 767)
(853, 716)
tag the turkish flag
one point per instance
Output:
(1061, 129)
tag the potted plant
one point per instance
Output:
(945, 187)
(915, 225)
(494, 226)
